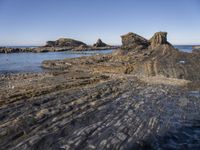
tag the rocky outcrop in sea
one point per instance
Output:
(154, 57)
(62, 44)
(99, 43)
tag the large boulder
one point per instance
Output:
(158, 39)
(132, 41)
(65, 42)
(99, 43)
(157, 57)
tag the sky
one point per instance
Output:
(33, 22)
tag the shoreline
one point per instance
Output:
(135, 98)
(51, 49)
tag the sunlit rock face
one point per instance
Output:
(99, 43)
(157, 56)
(132, 41)
(159, 38)
(142, 57)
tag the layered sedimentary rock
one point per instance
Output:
(79, 110)
(159, 57)
(105, 102)
(89, 103)
(132, 40)
(154, 57)
(159, 38)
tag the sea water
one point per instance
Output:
(31, 62)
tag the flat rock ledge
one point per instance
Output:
(78, 109)
(62, 44)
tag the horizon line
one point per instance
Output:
(34, 45)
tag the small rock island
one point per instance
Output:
(62, 44)
(145, 95)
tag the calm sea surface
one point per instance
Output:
(31, 62)
(184, 48)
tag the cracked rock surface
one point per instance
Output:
(83, 110)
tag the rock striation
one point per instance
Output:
(159, 38)
(132, 40)
(130, 99)
(158, 57)
(154, 57)
(89, 103)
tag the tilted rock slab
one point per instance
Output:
(159, 58)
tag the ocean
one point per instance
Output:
(31, 62)
(184, 48)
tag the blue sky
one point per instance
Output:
(33, 22)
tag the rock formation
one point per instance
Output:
(133, 41)
(64, 42)
(154, 57)
(15, 50)
(99, 43)
(123, 100)
(159, 38)
(160, 58)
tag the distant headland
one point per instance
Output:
(62, 44)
